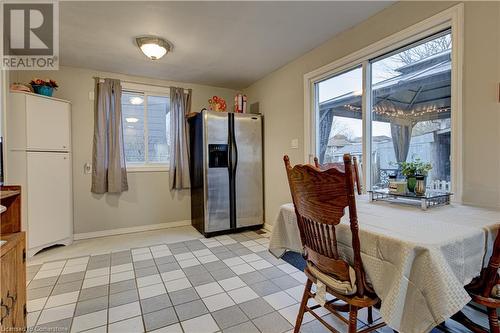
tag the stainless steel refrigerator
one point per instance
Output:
(226, 169)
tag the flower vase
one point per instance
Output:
(420, 185)
(43, 90)
(411, 182)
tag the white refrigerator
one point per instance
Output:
(38, 157)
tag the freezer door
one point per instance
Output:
(249, 185)
(215, 150)
(50, 201)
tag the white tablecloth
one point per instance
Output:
(417, 261)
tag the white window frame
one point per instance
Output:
(453, 19)
(147, 90)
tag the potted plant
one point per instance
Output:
(43, 87)
(413, 169)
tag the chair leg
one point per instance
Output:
(353, 319)
(370, 315)
(303, 305)
(493, 319)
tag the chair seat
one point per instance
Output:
(342, 287)
(495, 291)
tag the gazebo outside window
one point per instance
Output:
(411, 112)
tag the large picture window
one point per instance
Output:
(388, 109)
(146, 126)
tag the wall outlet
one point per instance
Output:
(294, 144)
(87, 168)
(91, 95)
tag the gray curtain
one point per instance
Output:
(109, 172)
(401, 137)
(180, 106)
(325, 127)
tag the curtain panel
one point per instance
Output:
(109, 173)
(180, 106)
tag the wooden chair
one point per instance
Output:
(484, 290)
(340, 166)
(320, 198)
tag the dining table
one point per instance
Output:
(418, 262)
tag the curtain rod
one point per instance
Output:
(97, 78)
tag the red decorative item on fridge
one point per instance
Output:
(240, 103)
(217, 104)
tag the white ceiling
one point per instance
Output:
(226, 44)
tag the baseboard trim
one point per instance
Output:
(129, 230)
(268, 227)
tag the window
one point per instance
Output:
(396, 100)
(411, 110)
(339, 126)
(146, 126)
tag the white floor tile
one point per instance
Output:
(57, 313)
(48, 273)
(233, 261)
(77, 261)
(241, 295)
(62, 299)
(90, 320)
(140, 251)
(178, 284)
(279, 300)
(36, 304)
(100, 329)
(202, 253)
(53, 265)
(257, 248)
(158, 248)
(132, 325)
(217, 302)
(296, 292)
(250, 257)
(151, 291)
(148, 280)
(242, 269)
(74, 269)
(159, 254)
(213, 244)
(249, 243)
(260, 264)
(125, 311)
(117, 277)
(209, 289)
(207, 259)
(287, 268)
(173, 275)
(122, 268)
(142, 256)
(97, 281)
(97, 272)
(184, 256)
(232, 283)
(299, 276)
(189, 263)
(202, 324)
(227, 241)
(290, 314)
(31, 318)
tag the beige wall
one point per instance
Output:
(148, 200)
(281, 96)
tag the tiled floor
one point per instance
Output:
(227, 283)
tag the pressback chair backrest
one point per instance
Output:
(340, 166)
(320, 198)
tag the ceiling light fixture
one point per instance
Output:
(153, 47)
(136, 100)
(131, 120)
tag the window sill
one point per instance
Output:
(147, 168)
